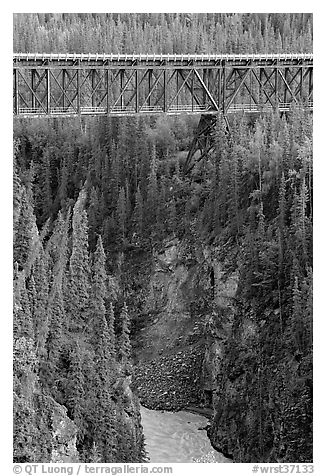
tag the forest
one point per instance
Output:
(93, 195)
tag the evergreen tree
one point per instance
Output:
(24, 231)
(46, 198)
(76, 398)
(78, 303)
(41, 307)
(124, 346)
(57, 319)
(57, 248)
(106, 426)
(22, 316)
(17, 196)
(93, 217)
(121, 214)
(63, 182)
(25, 378)
(138, 214)
(172, 221)
(115, 174)
(281, 219)
(95, 456)
(103, 329)
(152, 193)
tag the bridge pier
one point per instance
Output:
(203, 141)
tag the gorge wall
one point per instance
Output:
(196, 348)
(187, 316)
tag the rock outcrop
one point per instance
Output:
(64, 434)
(179, 349)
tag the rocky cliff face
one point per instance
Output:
(64, 434)
(218, 324)
(169, 347)
(202, 346)
(189, 310)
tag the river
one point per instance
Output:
(176, 437)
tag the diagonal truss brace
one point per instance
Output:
(203, 141)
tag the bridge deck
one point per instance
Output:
(71, 60)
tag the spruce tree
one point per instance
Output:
(76, 399)
(103, 328)
(138, 214)
(235, 158)
(95, 455)
(307, 300)
(281, 218)
(17, 197)
(57, 319)
(22, 317)
(124, 346)
(57, 248)
(63, 180)
(23, 231)
(303, 221)
(93, 217)
(152, 193)
(106, 426)
(161, 208)
(115, 175)
(25, 377)
(41, 308)
(128, 201)
(172, 217)
(105, 372)
(121, 215)
(46, 198)
(78, 297)
(281, 246)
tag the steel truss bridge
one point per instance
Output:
(118, 85)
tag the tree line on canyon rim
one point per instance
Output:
(89, 194)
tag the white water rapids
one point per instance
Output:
(176, 437)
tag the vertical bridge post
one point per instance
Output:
(16, 92)
(48, 92)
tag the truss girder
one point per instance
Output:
(155, 84)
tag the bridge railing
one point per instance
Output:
(114, 110)
(88, 110)
(282, 106)
(111, 57)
